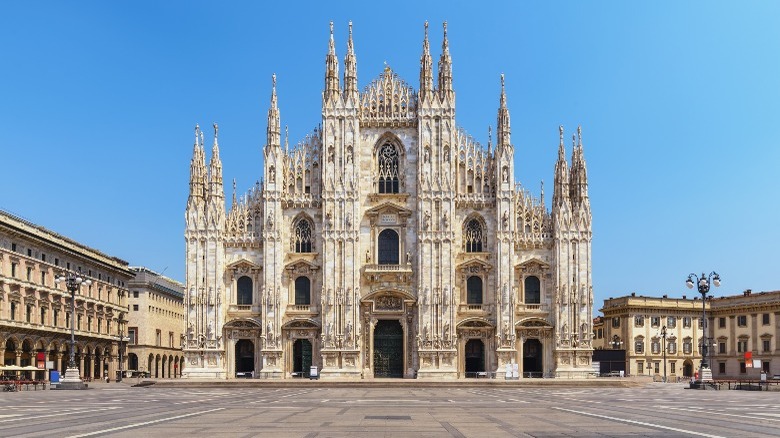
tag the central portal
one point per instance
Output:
(302, 357)
(388, 349)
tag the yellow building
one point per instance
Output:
(156, 320)
(745, 323)
(35, 311)
(635, 323)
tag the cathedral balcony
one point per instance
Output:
(302, 309)
(239, 310)
(475, 309)
(533, 309)
(388, 273)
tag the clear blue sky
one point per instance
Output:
(679, 104)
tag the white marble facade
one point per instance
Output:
(388, 243)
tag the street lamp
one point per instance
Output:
(122, 321)
(73, 281)
(703, 286)
(663, 337)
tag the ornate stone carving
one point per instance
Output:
(388, 303)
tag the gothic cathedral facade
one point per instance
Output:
(388, 243)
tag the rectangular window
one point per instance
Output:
(67, 320)
(78, 322)
(56, 261)
(639, 321)
(131, 334)
(13, 270)
(29, 313)
(158, 338)
(742, 320)
(13, 247)
(43, 315)
(742, 346)
(135, 294)
(29, 273)
(89, 323)
(135, 307)
(722, 367)
(765, 319)
(687, 347)
(29, 252)
(43, 278)
(765, 345)
(639, 346)
(686, 321)
(601, 333)
(640, 367)
(656, 346)
(655, 321)
(672, 367)
(170, 339)
(671, 322)
(656, 366)
(765, 366)
(43, 257)
(616, 322)
(721, 322)
(55, 318)
(722, 347)
(742, 368)
(672, 347)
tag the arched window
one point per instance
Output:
(387, 159)
(474, 290)
(302, 291)
(474, 236)
(302, 236)
(244, 296)
(532, 290)
(388, 247)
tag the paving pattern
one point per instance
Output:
(656, 410)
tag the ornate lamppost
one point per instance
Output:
(663, 337)
(73, 281)
(703, 285)
(122, 321)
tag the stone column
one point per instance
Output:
(58, 364)
(81, 365)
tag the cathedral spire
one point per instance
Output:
(331, 70)
(215, 168)
(426, 68)
(504, 131)
(198, 167)
(579, 173)
(233, 205)
(445, 67)
(272, 132)
(561, 184)
(350, 70)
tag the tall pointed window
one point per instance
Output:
(532, 290)
(388, 247)
(387, 159)
(244, 296)
(302, 236)
(474, 290)
(302, 291)
(474, 236)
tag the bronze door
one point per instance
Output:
(388, 349)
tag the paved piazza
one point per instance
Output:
(317, 411)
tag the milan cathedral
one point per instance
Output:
(388, 243)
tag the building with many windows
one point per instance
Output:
(736, 325)
(634, 323)
(747, 323)
(155, 322)
(388, 243)
(35, 311)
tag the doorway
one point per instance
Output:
(388, 349)
(475, 357)
(532, 358)
(245, 356)
(302, 357)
